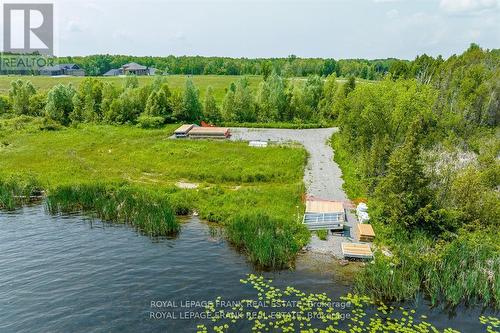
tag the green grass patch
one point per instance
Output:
(219, 83)
(322, 234)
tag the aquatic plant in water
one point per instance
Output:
(16, 190)
(148, 211)
(291, 310)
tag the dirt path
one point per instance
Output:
(323, 177)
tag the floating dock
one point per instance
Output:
(183, 131)
(209, 132)
(357, 250)
(324, 214)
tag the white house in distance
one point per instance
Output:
(131, 69)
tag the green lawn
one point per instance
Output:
(176, 82)
(230, 174)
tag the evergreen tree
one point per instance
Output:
(403, 196)
(244, 108)
(327, 101)
(87, 101)
(350, 85)
(212, 112)
(157, 104)
(192, 105)
(228, 111)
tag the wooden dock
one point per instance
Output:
(324, 215)
(357, 250)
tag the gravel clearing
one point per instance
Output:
(322, 176)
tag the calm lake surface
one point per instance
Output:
(74, 274)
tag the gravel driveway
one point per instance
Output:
(322, 175)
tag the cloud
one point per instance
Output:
(467, 6)
(74, 26)
(392, 14)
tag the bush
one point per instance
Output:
(150, 121)
(5, 105)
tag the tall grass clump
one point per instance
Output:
(18, 190)
(148, 211)
(465, 270)
(269, 242)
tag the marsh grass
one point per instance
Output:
(16, 191)
(147, 211)
(269, 242)
(465, 270)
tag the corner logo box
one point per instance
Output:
(28, 36)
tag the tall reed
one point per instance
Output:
(17, 190)
(269, 242)
(148, 211)
(465, 270)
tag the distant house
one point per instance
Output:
(131, 69)
(63, 69)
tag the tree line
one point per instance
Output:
(291, 66)
(276, 99)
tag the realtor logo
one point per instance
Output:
(28, 28)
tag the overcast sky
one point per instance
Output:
(277, 28)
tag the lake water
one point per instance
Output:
(74, 274)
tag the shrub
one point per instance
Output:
(145, 121)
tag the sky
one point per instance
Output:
(276, 28)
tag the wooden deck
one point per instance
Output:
(321, 206)
(365, 233)
(356, 250)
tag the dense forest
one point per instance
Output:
(425, 153)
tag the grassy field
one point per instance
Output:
(176, 82)
(233, 179)
(219, 83)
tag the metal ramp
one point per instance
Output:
(320, 221)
